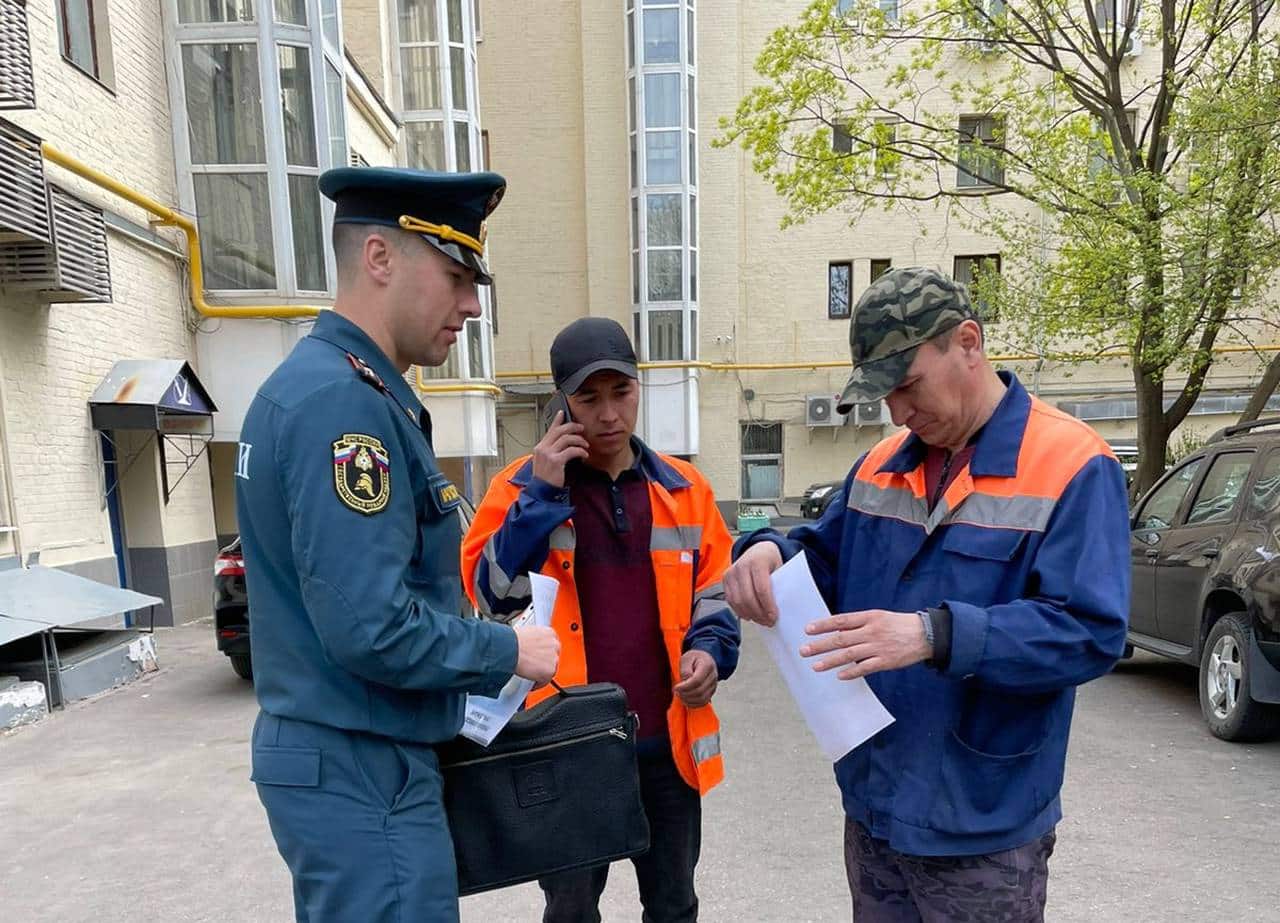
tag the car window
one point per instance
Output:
(1265, 495)
(1216, 499)
(1161, 507)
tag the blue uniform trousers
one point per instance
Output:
(359, 820)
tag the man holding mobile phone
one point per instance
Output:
(638, 546)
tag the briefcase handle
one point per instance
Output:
(581, 690)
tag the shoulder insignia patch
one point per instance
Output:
(448, 495)
(362, 473)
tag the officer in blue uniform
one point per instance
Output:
(351, 540)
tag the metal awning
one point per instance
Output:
(37, 598)
(161, 395)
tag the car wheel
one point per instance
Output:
(243, 665)
(1225, 699)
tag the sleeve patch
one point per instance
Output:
(362, 473)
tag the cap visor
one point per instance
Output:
(575, 381)
(872, 381)
(467, 257)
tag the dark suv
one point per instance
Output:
(1205, 548)
(231, 600)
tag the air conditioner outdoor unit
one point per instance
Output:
(871, 413)
(820, 410)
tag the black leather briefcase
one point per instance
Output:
(558, 789)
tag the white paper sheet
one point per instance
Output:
(486, 716)
(842, 714)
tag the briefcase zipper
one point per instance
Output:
(610, 732)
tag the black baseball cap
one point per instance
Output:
(587, 346)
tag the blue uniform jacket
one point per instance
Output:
(351, 545)
(1029, 549)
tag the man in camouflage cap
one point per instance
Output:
(979, 565)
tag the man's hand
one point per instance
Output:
(698, 678)
(538, 653)
(872, 640)
(747, 589)
(562, 443)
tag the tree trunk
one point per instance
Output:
(1262, 393)
(1153, 432)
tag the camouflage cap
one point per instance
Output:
(902, 309)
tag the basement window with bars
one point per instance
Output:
(17, 89)
(74, 267)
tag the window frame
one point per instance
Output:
(965, 178)
(99, 42)
(744, 458)
(848, 308)
(1237, 503)
(985, 314)
(1180, 513)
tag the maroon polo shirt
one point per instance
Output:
(617, 593)
(941, 468)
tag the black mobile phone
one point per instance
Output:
(557, 404)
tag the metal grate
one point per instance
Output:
(17, 90)
(74, 268)
(24, 203)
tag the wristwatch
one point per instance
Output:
(927, 621)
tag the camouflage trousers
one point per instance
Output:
(1001, 887)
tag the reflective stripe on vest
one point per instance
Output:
(704, 748)
(676, 538)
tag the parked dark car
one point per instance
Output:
(1205, 551)
(231, 600)
(817, 497)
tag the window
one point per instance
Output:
(84, 37)
(981, 274)
(1103, 159)
(978, 160)
(879, 268)
(1264, 498)
(839, 290)
(841, 140)
(884, 135)
(844, 7)
(1114, 17)
(1160, 510)
(1216, 500)
(666, 336)
(890, 10)
(761, 461)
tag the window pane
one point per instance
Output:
(693, 335)
(631, 103)
(335, 101)
(661, 36)
(424, 145)
(455, 20)
(77, 38)
(308, 240)
(1216, 500)
(693, 220)
(234, 212)
(693, 118)
(635, 180)
(664, 275)
(839, 290)
(224, 103)
(879, 268)
(462, 145)
(693, 276)
(761, 480)
(420, 77)
(662, 101)
(418, 21)
(215, 10)
(635, 221)
(761, 438)
(631, 40)
(978, 161)
(665, 336)
(329, 21)
(292, 11)
(1161, 508)
(663, 215)
(980, 274)
(458, 77)
(299, 109)
(890, 10)
(475, 348)
(1265, 495)
(448, 370)
(693, 158)
(662, 157)
(635, 281)
(692, 43)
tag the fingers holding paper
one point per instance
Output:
(870, 641)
